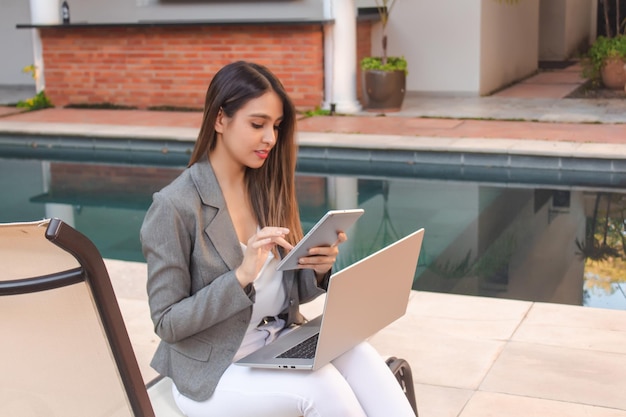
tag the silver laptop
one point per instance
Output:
(361, 300)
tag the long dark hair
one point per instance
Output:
(271, 188)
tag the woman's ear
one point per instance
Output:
(219, 121)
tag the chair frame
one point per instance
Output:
(402, 371)
(93, 271)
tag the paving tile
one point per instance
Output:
(112, 117)
(430, 123)
(7, 110)
(577, 67)
(437, 358)
(467, 316)
(572, 327)
(436, 401)
(530, 90)
(558, 373)
(601, 150)
(143, 339)
(128, 279)
(486, 404)
(478, 144)
(545, 148)
(129, 283)
(556, 77)
(451, 343)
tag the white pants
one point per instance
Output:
(358, 383)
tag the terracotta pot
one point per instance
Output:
(613, 74)
(384, 90)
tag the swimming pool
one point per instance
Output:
(492, 232)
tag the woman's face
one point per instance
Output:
(249, 136)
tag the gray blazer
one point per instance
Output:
(198, 307)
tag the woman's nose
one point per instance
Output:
(270, 136)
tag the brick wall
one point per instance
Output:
(173, 65)
(109, 182)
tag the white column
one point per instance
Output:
(42, 12)
(343, 192)
(64, 212)
(40, 82)
(340, 56)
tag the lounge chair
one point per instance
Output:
(65, 349)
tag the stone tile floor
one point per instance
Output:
(471, 356)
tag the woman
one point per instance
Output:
(212, 239)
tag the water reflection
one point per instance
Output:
(519, 243)
(563, 244)
(604, 251)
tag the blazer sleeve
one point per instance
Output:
(182, 305)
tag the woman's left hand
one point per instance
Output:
(321, 258)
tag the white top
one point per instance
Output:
(270, 300)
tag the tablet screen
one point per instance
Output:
(324, 233)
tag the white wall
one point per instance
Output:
(16, 44)
(441, 42)
(462, 47)
(565, 28)
(578, 25)
(551, 30)
(509, 48)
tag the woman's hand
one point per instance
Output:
(258, 248)
(321, 258)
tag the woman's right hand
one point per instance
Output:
(258, 248)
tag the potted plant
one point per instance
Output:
(384, 77)
(604, 62)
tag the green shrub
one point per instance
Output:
(317, 112)
(602, 49)
(376, 63)
(39, 101)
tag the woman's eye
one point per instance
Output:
(257, 126)
(277, 127)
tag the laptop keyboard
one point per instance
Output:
(303, 350)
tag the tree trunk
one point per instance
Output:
(607, 23)
(617, 18)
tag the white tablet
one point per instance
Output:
(324, 233)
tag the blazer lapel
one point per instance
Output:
(219, 229)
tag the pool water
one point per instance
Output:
(538, 243)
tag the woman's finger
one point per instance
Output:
(341, 237)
